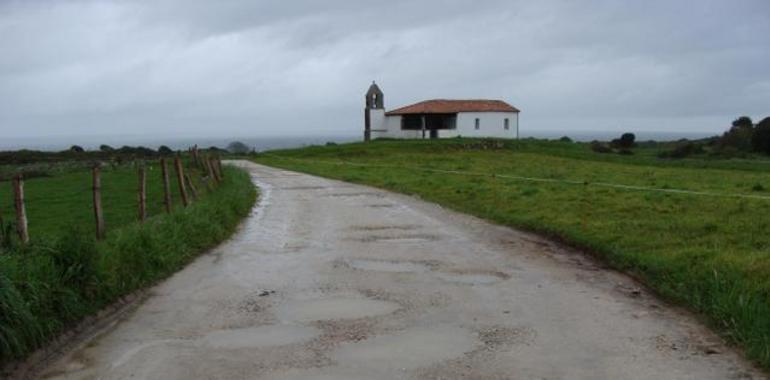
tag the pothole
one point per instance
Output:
(472, 278)
(388, 266)
(413, 348)
(355, 195)
(383, 205)
(329, 374)
(262, 336)
(405, 227)
(303, 188)
(333, 308)
(405, 238)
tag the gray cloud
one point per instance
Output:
(245, 68)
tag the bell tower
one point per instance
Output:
(375, 100)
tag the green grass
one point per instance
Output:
(55, 203)
(708, 252)
(65, 274)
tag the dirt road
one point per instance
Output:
(328, 280)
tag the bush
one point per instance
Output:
(565, 139)
(760, 139)
(165, 151)
(600, 147)
(106, 148)
(76, 149)
(682, 150)
(237, 147)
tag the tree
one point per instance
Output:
(164, 150)
(77, 149)
(739, 136)
(627, 140)
(106, 148)
(743, 121)
(760, 139)
(238, 147)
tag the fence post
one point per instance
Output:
(191, 185)
(180, 180)
(209, 169)
(21, 211)
(142, 194)
(215, 169)
(97, 189)
(166, 185)
(219, 168)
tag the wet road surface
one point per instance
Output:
(328, 280)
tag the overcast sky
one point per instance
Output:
(236, 68)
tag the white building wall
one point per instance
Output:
(491, 124)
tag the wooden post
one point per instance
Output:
(212, 171)
(217, 174)
(219, 168)
(97, 189)
(166, 185)
(21, 211)
(142, 194)
(180, 180)
(191, 185)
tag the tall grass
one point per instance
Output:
(53, 282)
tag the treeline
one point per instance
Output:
(78, 153)
(743, 139)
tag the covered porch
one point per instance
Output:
(429, 123)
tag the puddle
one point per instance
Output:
(398, 238)
(405, 227)
(258, 337)
(413, 348)
(355, 195)
(388, 266)
(472, 278)
(384, 205)
(304, 188)
(333, 308)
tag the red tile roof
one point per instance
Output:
(454, 106)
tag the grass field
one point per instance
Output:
(64, 274)
(55, 204)
(708, 250)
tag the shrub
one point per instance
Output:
(165, 151)
(106, 148)
(682, 150)
(565, 139)
(600, 147)
(237, 147)
(627, 140)
(76, 149)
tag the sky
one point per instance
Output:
(237, 68)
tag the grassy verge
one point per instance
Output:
(710, 252)
(55, 281)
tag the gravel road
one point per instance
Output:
(329, 280)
